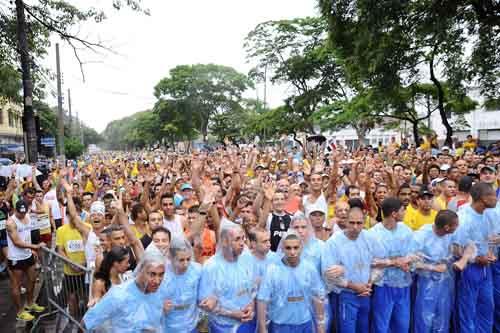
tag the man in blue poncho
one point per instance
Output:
(475, 283)
(228, 285)
(133, 306)
(291, 293)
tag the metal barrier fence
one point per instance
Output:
(66, 295)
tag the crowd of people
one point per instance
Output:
(266, 239)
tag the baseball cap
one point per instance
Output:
(315, 208)
(97, 207)
(425, 192)
(488, 168)
(21, 206)
(186, 186)
(445, 167)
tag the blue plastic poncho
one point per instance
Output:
(398, 242)
(289, 292)
(182, 290)
(126, 308)
(234, 284)
(355, 255)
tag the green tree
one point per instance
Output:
(294, 52)
(25, 30)
(199, 92)
(73, 148)
(388, 46)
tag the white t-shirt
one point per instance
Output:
(174, 226)
(55, 209)
(320, 201)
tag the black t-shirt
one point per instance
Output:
(278, 225)
(146, 240)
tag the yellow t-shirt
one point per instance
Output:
(469, 145)
(415, 220)
(136, 231)
(441, 203)
(71, 241)
(89, 187)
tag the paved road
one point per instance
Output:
(8, 323)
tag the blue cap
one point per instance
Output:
(186, 186)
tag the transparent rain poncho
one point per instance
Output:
(126, 308)
(479, 229)
(312, 250)
(435, 281)
(232, 283)
(356, 256)
(290, 291)
(181, 288)
(398, 242)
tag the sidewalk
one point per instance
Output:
(8, 322)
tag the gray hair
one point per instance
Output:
(179, 244)
(149, 259)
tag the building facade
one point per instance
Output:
(11, 124)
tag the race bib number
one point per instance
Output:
(34, 222)
(74, 246)
(2, 224)
(44, 223)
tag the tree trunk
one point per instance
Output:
(449, 130)
(416, 137)
(29, 125)
(361, 133)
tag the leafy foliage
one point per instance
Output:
(193, 94)
(73, 148)
(295, 52)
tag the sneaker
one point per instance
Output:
(35, 308)
(23, 290)
(25, 316)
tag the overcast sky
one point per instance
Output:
(147, 47)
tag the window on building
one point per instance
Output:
(11, 119)
(1, 116)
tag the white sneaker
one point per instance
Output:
(23, 290)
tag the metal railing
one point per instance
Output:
(66, 295)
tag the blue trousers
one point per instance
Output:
(354, 313)
(391, 310)
(249, 327)
(334, 313)
(475, 300)
(301, 328)
(495, 270)
(433, 305)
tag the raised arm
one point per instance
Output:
(123, 221)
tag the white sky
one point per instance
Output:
(177, 32)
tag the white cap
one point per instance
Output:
(445, 167)
(97, 207)
(316, 207)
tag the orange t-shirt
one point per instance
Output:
(292, 205)
(208, 242)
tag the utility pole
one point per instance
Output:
(70, 128)
(60, 114)
(79, 128)
(29, 125)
